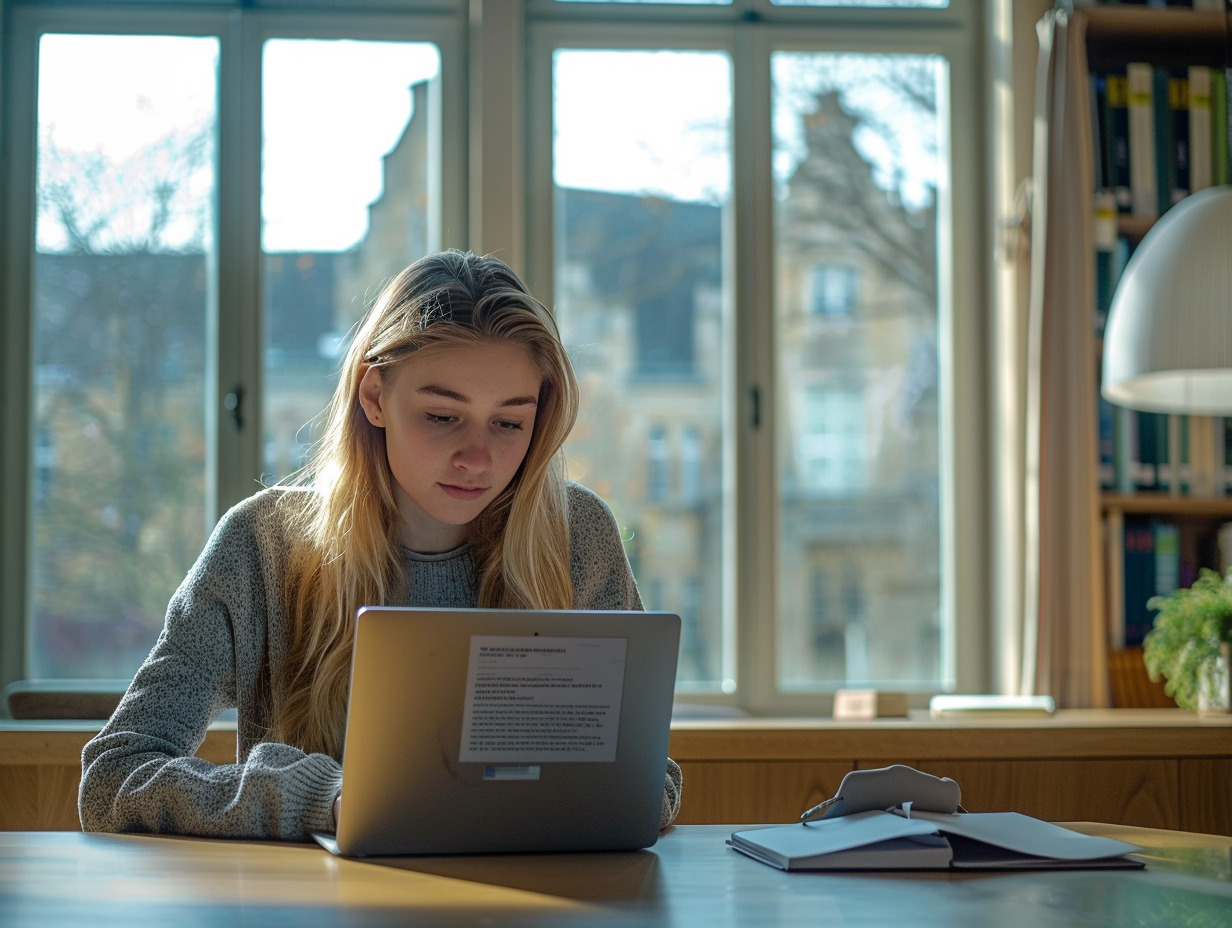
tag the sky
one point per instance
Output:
(656, 122)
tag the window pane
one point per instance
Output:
(124, 247)
(858, 157)
(349, 198)
(642, 168)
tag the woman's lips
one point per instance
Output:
(458, 492)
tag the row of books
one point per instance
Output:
(1159, 134)
(1159, 556)
(1163, 453)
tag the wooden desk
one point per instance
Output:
(690, 877)
(1159, 768)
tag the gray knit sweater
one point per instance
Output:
(223, 624)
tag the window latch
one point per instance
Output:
(233, 402)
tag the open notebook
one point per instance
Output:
(490, 731)
(932, 841)
(900, 818)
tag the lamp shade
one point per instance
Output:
(1168, 340)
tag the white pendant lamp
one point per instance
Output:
(1168, 340)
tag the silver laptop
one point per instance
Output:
(479, 731)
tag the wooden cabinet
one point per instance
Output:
(1159, 768)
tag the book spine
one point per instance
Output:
(1181, 477)
(1139, 577)
(1219, 127)
(1167, 542)
(1150, 462)
(1143, 180)
(1206, 455)
(1165, 142)
(1097, 88)
(1227, 455)
(1107, 444)
(1117, 140)
(1126, 465)
(1178, 98)
(1127, 462)
(1107, 270)
(1114, 545)
(1200, 150)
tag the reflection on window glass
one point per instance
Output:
(858, 160)
(348, 200)
(658, 460)
(834, 289)
(642, 170)
(124, 239)
(832, 449)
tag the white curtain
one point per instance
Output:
(1064, 638)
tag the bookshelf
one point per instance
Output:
(1185, 527)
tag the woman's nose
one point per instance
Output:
(474, 452)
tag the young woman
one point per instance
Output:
(439, 482)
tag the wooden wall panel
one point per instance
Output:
(1125, 792)
(39, 797)
(755, 792)
(1206, 795)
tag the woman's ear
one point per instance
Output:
(370, 385)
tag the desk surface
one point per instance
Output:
(688, 878)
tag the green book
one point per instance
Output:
(1219, 127)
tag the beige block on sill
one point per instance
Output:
(862, 705)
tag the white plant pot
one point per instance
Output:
(1214, 697)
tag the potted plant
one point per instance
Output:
(1189, 644)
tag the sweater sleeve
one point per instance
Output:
(673, 782)
(141, 773)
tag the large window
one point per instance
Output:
(187, 273)
(748, 227)
(124, 242)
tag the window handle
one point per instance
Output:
(234, 402)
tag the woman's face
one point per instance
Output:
(458, 422)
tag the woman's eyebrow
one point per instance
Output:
(445, 393)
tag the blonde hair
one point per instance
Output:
(344, 550)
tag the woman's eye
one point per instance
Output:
(440, 420)
(506, 426)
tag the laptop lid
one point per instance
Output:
(491, 731)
